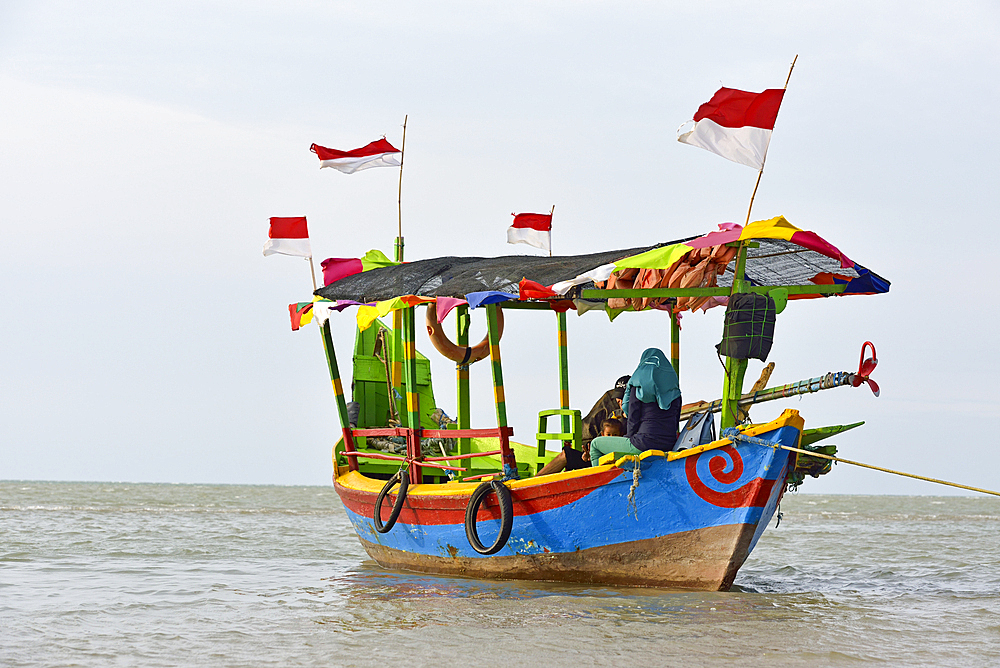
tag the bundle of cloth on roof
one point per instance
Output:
(698, 268)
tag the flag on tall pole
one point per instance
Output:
(735, 124)
(379, 153)
(534, 229)
(288, 236)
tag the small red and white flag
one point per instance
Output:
(379, 153)
(735, 124)
(534, 229)
(288, 236)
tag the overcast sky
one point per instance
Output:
(143, 147)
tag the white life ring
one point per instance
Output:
(456, 353)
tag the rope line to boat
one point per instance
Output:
(636, 465)
(735, 434)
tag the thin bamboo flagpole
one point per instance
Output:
(397, 318)
(312, 272)
(399, 194)
(761, 172)
(552, 213)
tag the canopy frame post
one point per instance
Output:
(397, 361)
(563, 369)
(675, 340)
(412, 396)
(732, 387)
(499, 399)
(462, 399)
(338, 391)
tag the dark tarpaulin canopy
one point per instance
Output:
(459, 276)
(772, 261)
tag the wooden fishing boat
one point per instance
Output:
(684, 518)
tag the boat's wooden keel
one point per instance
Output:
(706, 559)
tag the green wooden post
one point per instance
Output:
(397, 331)
(396, 365)
(675, 342)
(338, 391)
(412, 394)
(563, 369)
(462, 372)
(499, 399)
(732, 387)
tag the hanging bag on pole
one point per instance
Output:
(749, 328)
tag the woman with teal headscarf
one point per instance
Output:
(652, 407)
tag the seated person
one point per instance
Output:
(653, 406)
(611, 427)
(609, 406)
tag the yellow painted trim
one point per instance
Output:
(498, 394)
(338, 388)
(562, 338)
(789, 417)
(356, 481)
(610, 457)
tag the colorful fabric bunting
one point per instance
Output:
(774, 228)
(528, 289)
(301, 314)
(336, 268)
(445, 305)
(367, 314)
(477, 299)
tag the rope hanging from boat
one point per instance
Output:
(636, 465)
(734, 434)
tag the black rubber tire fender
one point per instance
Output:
(506, 516)
(403, 478)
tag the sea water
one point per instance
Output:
(106, 574)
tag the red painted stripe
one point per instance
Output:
(288, 228)
(375, 148)
(428, 510)
(733, 108)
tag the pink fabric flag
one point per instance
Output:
(445, 306)
(735, 124)
(379, 153)
(534, 229)
(288, 236)
(336, 268)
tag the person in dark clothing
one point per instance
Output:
(652, 405)
(608, 406)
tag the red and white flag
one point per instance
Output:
(379, 153)
(534, 229)
(288, 236)
(736, 125)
